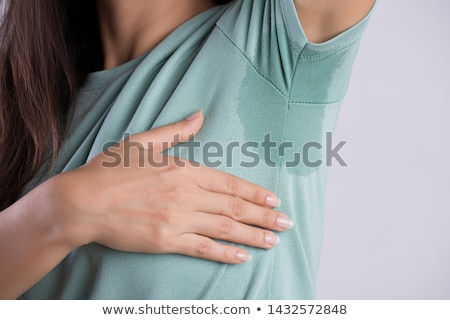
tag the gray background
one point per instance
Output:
(387, 215)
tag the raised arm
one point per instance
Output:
(324, 19)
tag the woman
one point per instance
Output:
(87, 77)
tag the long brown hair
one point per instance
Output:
(43, 58)
(46, 49)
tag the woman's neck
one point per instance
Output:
(130, 28)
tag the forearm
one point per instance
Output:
(34, 238)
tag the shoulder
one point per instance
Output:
(324, 19)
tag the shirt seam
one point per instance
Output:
(332, 51)
(288, 25)
(277, 185)
(285, 95)
(316, 103)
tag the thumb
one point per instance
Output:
(170, 135)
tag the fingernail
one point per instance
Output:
(285, 223)
(195, 115)
(273, 201)
(243, 256)
(271, 239)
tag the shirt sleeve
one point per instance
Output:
(269, 34)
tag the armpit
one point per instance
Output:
(323, 20)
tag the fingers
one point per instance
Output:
(213, 180)
(221, 182)
(243, 211)
(205, 248)
(225, 228)
(165, 137)
(199, 243)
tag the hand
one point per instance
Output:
(134, 206)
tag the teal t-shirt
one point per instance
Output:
(268, 96)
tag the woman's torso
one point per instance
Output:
(260, 84)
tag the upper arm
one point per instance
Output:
(324, 19)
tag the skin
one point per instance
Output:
(131, 28)
(324, 19)
(154, 210)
